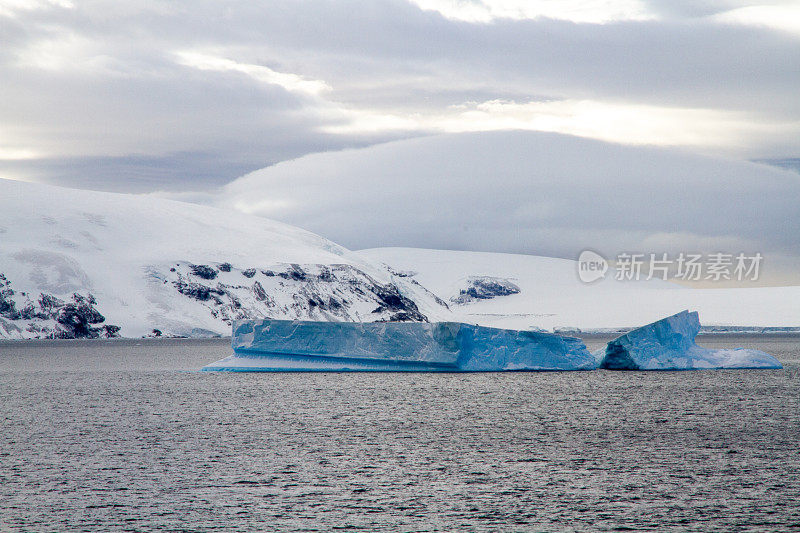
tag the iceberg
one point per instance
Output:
(293, 345)
(668, 344)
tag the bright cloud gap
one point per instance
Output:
(590, 11)
(617, 122)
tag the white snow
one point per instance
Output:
(552, 296)
(120, 248)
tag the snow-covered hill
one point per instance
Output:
(90, 264)
(83, 264)
(523, 291)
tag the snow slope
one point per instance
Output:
(552, 296)
(145, 263)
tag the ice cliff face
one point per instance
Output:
(264, 345)
(668, 344)
(278, 345)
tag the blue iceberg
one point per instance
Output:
(293, 345)
(668, 344)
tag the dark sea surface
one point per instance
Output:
(127, 436)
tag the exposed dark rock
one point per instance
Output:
(326, 275)
(198, 291)
(48, 303)
(485, 288)
(295, 273)
(76, 319)
(258, 291)
(392, 300)
(291, 291)
(28, 312)
(8, 308)
(204, 271)
(315, 292)
(31, 312)
(401, 317)
(354, 286)
(401, 273)
(111, 331)
(435, 298)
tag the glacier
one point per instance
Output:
(294, 345)
(668, 344)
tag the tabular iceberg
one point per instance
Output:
(293, 345)
(668, 344)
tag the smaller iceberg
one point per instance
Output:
(295, 345)
(668, 344)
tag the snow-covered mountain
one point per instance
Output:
(85, 264)
(89, 264)
(524, 291)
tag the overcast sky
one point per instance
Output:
(537, 193)
(671, 97)
(175, 96)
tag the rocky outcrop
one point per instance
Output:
(227, 292)
(485, 288)
(51, 317)
(294, 291)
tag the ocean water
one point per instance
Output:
(128, 436)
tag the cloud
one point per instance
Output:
(11, 8)
(249, 85)
(483, 11)
(290, 82)
(617, 122)
(783, 17)
(529, 192)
